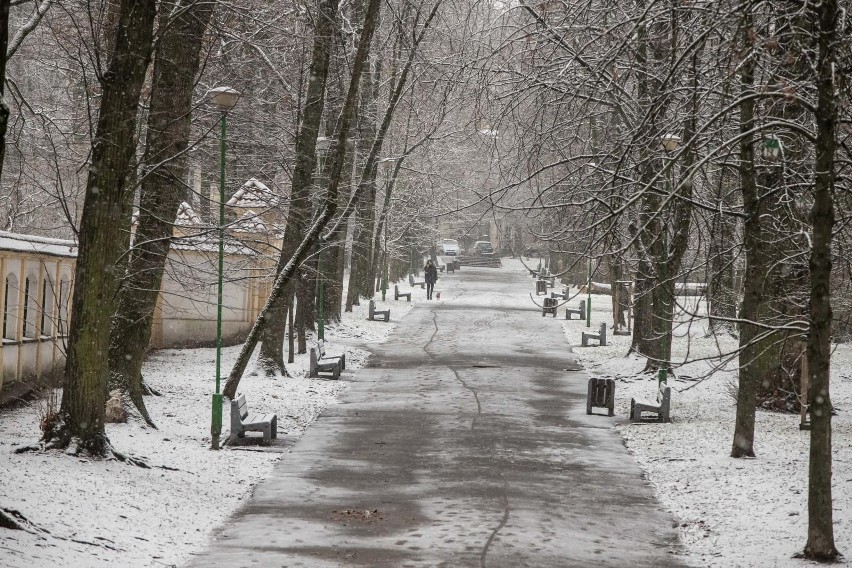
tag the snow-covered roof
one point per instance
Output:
(186, 216)
(37, 245)
(253, 193)
(209, 243)
(250, 223)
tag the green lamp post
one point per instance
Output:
(387, 165)
(222, 99)
(668, 144)
(322, 146)
(592, 166)
(589, 297)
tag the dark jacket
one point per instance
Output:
(430, 274)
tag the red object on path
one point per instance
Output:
(438, 295)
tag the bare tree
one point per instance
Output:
(108, 197)
(329, 206)
(176, 65)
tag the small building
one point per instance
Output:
(38, 275)
(35, 289)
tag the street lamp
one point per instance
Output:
(592, 166)
(668, 143)
(222, 99)
(322, 146)
(387, 166)
(772, 148)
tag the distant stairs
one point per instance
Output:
(480, 261)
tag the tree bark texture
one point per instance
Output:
(4, 107)
(107, 197)
(787, 277)
(750, 372)
(721, 295)
(820, 544)
(361, 276)
(176, 65)
(363, 220)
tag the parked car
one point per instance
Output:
(449, 247)
(483, 248)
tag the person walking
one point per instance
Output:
(430, 275)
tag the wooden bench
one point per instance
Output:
(242, 421)
(376, 315)
(413, 283)
(601, 394)
(581, 313)
(600, 336)
(540, 287)
(322, 363)
(550, 280)
(560, 295)
(451, 267)
(662, 407)
(549, 307)
(397, 295)
(533, 272)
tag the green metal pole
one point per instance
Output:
(320, 281)
(589, 297)
(216, 425)
(662, 374)
(321, 307)
(385, 274)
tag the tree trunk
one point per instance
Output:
(787, 285)
(285, 276)
(299, 214)
(645, 232)
(820, 545)
(361, 276)
(721, 295)
(176, 65)
(363, 220)
(750, 372)
(106, 200)
(332, 275)
(270, 360)
(334, 253)
(4, 108)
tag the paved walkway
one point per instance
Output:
(465, 445)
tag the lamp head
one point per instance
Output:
(222, 98)
(669, 142)
(772, 148)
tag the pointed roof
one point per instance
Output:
(253, 193)
(186, 216)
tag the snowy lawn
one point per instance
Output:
(732, 512)
(105, 513)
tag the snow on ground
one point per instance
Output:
(106, 513)
(731, 512)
